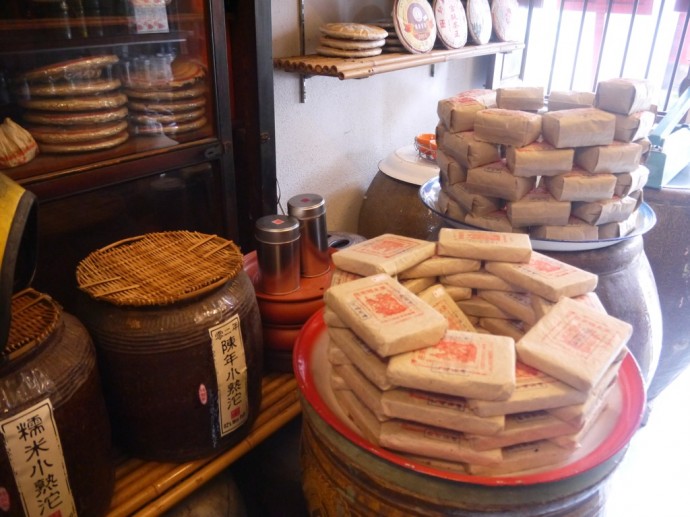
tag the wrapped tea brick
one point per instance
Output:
(579, 413)
(538, 207)
(579, 185)
(496, 180)
(545, 276)
(458, 293)
(566, 100)
(611, 210)
(331, 319)
(620, 229)
(336, 356)
(468, 151)
(534, 390)
(457, 113)
(523, 456)
(438, 410)
(439, 299)
(615, 157)
(434, 442)
(474, 203)
(385, 315)
(627, 182)
(507, 127)
(521, 428)
(359, 415)
(495, 221)
(464, 364)
(417, 285)
(574, 441)
(450, 171)
(574, 230)
(539, 159)
(502, 327)
(625, 96)
(367, 361)
(481, 279)
(591, 300)
(475, 244)
(341, 276)
(574, 343)
(526, 98)
(516, 304)
(387, 253)
(439, 265)
(450, 207)
(578, 127)
(634, 126)
(481, 308)
(365, 391)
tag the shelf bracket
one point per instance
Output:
(302, 52)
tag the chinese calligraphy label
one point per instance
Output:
(231, 374)
(33, 447)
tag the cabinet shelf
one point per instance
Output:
(310, 65)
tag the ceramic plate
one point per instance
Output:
(646, 219)
(610, 434)
(405, 164)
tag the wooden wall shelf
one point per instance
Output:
(147, 488)
(310, 65)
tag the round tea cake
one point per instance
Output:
(356, 31)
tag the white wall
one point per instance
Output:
(332, 143)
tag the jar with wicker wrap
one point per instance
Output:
(178, 334)
(56, 452)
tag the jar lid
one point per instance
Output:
(277, 229)
(159, 268)
(35, 317)
(405, 164)
(306, 206)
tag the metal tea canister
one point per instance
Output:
(310, 210)
(278, 251)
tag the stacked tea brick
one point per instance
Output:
(473, 354)
(574, 172)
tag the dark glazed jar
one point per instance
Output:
(51, 399)
(179, 341)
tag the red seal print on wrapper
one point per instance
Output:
(387, 247)
(4, 499)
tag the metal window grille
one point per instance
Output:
(573, 44)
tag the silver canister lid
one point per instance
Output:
(306, 206)
(277, 229)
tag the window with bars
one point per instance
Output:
(574, 44)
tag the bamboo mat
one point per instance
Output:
(386, 62)
(147, 488)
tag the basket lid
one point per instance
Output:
(35, 317)
(159, 268)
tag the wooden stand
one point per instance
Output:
(146, 488)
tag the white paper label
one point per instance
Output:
(231, 374)
(33, 446)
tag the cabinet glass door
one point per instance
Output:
(99, 82)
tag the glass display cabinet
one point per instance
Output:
(129, 104)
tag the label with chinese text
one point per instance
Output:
(33, 447)
(231, 374)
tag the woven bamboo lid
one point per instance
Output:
(35, 317)
(159, 268)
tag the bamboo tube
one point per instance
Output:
(127, 466)
(183, 489)
(127, 492)
(278, 393)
